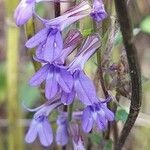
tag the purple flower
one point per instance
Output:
(88, 48)
(98, 113)
(83, 86)
(24, 11)
(40, 125)
(50, 37)
(98, 12)
(56, 79)
(62, 135)
(73, 38)
(76, 137)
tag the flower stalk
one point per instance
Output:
(134, 69)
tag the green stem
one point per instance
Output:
(15, 130)
(70, 110)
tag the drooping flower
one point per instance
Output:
(24, 11)
(83, 86)
(98, 113)
(88, 48)
(73, 38)
(51, 37)
(57, 77)
(98, 12)
(40, 125)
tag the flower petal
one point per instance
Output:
(53, 46)
(45, 133)
(23, 12)
(39, 76)
(65, 80)
(101, 122)
(108, 114)
(67, 98)
(87, 120)
(51, 87)
(85, 89)
(32, 132)
(62, 135)
(37, 38)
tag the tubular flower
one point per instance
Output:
(24, 11)
(56, 76)
(98, 12)
(83, 86)
(40, 125)
(50, 37)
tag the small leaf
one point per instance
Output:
(87, 32)
(121, 115)
(95, 138)
(145, 25)
(108, 145)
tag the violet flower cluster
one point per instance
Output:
(65, 82)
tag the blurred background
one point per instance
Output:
(16, 68)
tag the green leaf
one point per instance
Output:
(87, 32)
(145, 25)
(95, 138)
(108, 145)
(121, 115)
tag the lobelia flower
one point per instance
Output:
(40, 125)
(57, 77)
(24, 10)
(73, 38)
(50, 38)
(98, 12)
(76, 137)
(83, 86)
(98, 113)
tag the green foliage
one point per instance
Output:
(145, 84)
(121, 115)
(28, 95)
(40, 9)
(95, 138)
(87, 32)
(108, 145)
(118, 37)
(145, 25)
